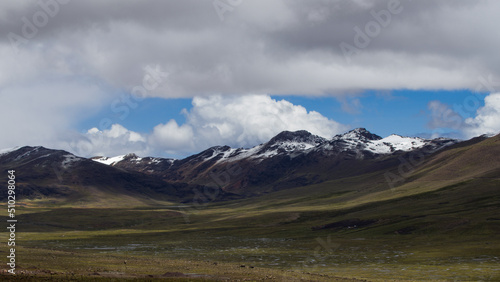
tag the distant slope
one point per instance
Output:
(464, 162)
(475, 159)
(453, 192)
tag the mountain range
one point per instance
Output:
(352, 202)
(288, 160)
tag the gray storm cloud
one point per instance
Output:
(89, 51)
(271, 47)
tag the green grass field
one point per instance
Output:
(447, 233)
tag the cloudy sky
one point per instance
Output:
(171, 78)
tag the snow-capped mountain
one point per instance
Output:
(360, 140)
(285, 154)
(285, 143)
(293, 144)
(290, 159)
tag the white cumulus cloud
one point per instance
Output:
(243, 121)
(110, 142)
(172, 138)
(246, 121)
(487, 119)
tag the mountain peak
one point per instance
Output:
(130, 156)
(35, 151)
(295, 136)
(288, 141)
(361, 134)
(291, 134)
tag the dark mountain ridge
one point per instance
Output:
(288, 160)
(42, 173)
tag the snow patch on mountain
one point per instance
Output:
(237, 154)
(293, 146)
(156, 160)
(360, 139)
(284, 148)
(394, 143)
(28, 153)
(284, 143)
(358, 134)
(132, 160)
(109, 161)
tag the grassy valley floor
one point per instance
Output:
(257, 239)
